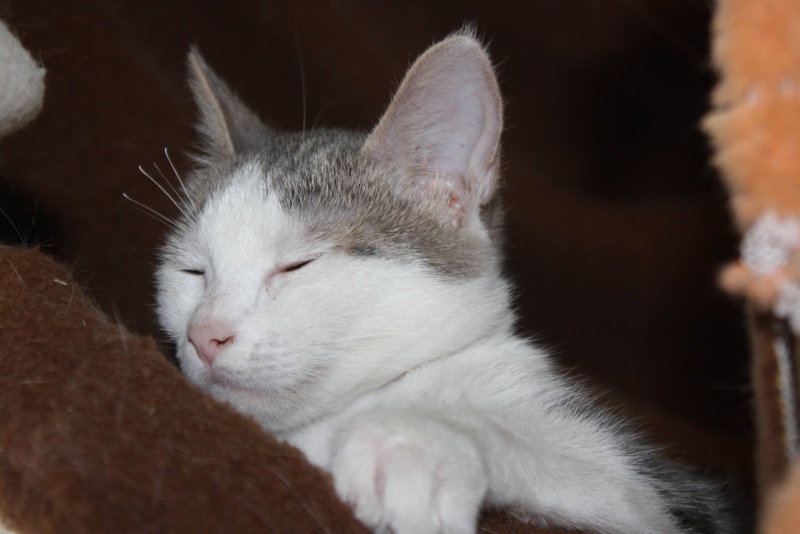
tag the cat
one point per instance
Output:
(345, 290)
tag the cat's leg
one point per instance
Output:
(588, 473)
(409, 474)
(430, 472)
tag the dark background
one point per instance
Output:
(617, 223)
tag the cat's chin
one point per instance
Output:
(275, 409)
(249, 400)
(245, 394)
(227, 389)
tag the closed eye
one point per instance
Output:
(295, 266)
(193, 272)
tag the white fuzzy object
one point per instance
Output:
(21, 83)
(767, 250)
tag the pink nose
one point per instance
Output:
(209, 339)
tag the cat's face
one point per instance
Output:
(313, 268)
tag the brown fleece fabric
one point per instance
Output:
(616, 227)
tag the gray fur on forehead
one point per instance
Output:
(363, 207)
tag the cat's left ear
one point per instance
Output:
(443, 126)
(226, 125)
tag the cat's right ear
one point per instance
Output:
(226, 126)
(442, 129)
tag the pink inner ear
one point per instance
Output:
(464, 138)
(444, 123)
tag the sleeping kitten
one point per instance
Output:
(345, 290)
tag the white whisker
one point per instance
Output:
(180, 181)
(172, 187)
(151, 212)
(164, 191)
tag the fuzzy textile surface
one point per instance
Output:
(755, 127)
(782, 513)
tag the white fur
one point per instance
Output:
(21, 84)
(340, 323)
(411, 390)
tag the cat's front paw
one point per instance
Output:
(410, 476)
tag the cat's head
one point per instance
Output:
(313, 267)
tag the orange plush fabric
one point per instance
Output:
(756, 123)
(782, 514)
(755, 128)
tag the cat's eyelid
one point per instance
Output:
(194, 272)
(289, 267)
